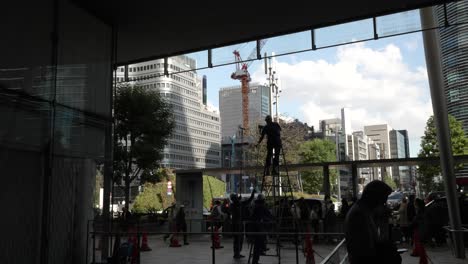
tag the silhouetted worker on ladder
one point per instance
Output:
(273, 132)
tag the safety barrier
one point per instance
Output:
(130, 242)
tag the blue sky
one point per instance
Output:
(381, 81)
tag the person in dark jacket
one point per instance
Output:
(344, 207)
(237, 208)
(181, 223)
(273, 132)
(362, 234)
(227, 227)
(417, 225)
(410, 214)
(261, 215)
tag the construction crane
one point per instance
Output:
(242, 74)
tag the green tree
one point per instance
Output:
(143, 124)
(156, 175)
(429, 148)
(293, 134)
(315, 151)
(212, 188)
(153, 197)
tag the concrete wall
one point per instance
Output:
(189, 192)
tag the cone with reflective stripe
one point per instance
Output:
(144, 243)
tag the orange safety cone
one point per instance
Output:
(133, 241)
(216, 239)
(174, 241)
(310, 259)
(144, 243)
(416, 245)
(422, 255)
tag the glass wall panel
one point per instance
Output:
(83, 90)
(225, 54)
(54, 107)
(398, 23)
(25, 60)
(288, 43)
(344, 33)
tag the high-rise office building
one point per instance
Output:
(233, 140)
(230, 107)
(454, 52)
(195, 142)
(380, 135)
(398, 150)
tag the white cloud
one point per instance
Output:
(377, 85)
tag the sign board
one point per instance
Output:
(169, 188)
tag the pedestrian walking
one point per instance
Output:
(217, 215)
(262, 217)
(181, 223)
(170, 214)
(417, 225)
(403, 219)
(363, 241)
(238, 211)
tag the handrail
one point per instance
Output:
(336, 164)
(328, 258)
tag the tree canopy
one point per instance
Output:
(429, 148)
(143, 124)
(315, 151)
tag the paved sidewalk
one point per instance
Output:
(199, 252)
(438, 255)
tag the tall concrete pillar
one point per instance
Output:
(439, 106)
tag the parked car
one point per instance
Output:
(394, 200)
(433, 196)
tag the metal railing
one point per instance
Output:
(292, 241)
(339, 255)
(452, 232)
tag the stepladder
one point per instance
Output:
(278, 192)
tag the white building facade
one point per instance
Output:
(196, 140)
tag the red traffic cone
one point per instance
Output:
(310, 259)
(422, 255)
(216, 239)
(174, 241)
(416, 245)
(144, 243)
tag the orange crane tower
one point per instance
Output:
(243, 75)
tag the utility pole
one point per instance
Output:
(273, 84)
